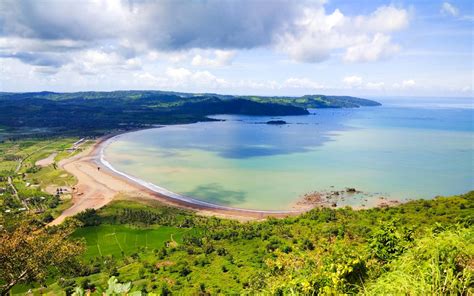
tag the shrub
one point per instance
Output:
(438, 264)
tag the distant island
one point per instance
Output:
(89, 113)
(276, 122)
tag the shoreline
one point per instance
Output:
(101, 161)
(98, 187)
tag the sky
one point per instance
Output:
(267, 47)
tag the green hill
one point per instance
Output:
(86, 113)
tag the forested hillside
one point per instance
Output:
(97, 112)
(418, 248)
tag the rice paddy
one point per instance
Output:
(105, 240)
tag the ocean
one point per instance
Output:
(408, 148)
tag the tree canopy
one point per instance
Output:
(30, 252)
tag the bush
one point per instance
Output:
(438, 264)
(388, 242)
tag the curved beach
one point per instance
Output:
(99, 182)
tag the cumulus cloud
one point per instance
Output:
(383, 19)
(94, 61)
(171, 44)
(165, 25)
(52, 29)
(217, 59)
(315, 35)
(371, 50)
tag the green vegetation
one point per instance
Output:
(95, 113)
(316, 101)
(27, 187)
(418, 248)
(31, 253)
(116, 240)
(440, 263)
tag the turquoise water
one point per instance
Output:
(406, 149)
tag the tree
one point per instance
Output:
(89, 217)
(30, 252)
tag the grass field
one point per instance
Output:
(106, 240)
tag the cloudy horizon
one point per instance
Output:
(278, 47)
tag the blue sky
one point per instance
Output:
(363, 48)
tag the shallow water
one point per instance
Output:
(403, 150)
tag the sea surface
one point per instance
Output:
(409, 148)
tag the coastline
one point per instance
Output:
(98, 187)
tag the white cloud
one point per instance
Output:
(315, 35)
(352, 81)
(383, 19)
(128, 35)
(181, 78)
(93, 62)
(164, 25)
(408, 83)
(378, 48)
(208, 80)
(449, 9)
(178, 74)
(218, 58)
(357, 82)
(201, 81)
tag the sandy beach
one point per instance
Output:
(98, 185)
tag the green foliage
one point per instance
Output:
(89, 217)
(422, 247)
(317, 101)
(31, 253)
(389, 242)
(26, 193)
(115, 287)
(438, 264)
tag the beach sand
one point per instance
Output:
(97, 186)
